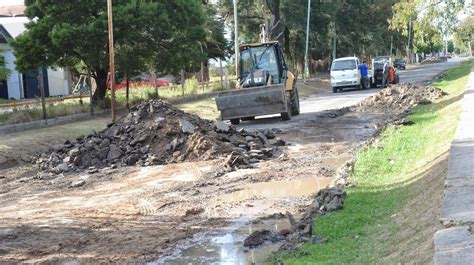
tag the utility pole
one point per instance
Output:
(91, 105)
(236, 40)
(41, 88)
(408, 44)
(391, 45)
(307, 42)
(334, 44)
(221, 73)
(470, 48)
(111, 57)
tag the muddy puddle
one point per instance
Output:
(278, 189)
(225, 246)
(335, 162)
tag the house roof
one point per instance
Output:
(11, 27)
(12, 11)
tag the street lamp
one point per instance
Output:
(236, 40)
(307, 42)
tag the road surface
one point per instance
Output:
(415, 74)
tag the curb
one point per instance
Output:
(455, 245)
(47, 123)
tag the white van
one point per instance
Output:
(345, 73)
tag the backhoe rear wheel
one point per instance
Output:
(235, 121)
(295, 102)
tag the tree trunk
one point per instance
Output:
(287, 41)
(127, 92)
(276, 15)
(100, 78)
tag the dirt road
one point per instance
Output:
(179, 213)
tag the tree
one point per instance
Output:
(464, 34)
(445, 16)
(4, 71)
(432, 21)
(361, 29)
(64, 33)
(215, 45)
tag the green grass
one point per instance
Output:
(356, 233)
(52, 111)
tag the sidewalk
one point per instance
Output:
(455, 244)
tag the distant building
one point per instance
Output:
(57, 82)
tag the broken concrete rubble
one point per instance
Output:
(400, 98)
(325, 201)
(259, 237)
(156, 133)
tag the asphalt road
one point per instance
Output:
(415, 74)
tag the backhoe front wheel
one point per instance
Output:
(295, 102)
(286, 116)
(235, 121)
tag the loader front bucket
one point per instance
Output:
(251, 102)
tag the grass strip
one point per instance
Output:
(386, 179)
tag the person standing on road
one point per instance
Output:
(364, 73)
(386, 69)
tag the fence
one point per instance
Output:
(20, 111)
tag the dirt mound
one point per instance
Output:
(156, 133)
(399, 98)
(431, 60)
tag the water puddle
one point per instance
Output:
(278, 189)
(224, 247)
(335, 162)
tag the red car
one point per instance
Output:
(141, 83)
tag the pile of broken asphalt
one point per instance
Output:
(157, 133)
(399, 98)
(325, 201)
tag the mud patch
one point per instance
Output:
(278, 189)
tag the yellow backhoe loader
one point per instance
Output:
(265, 86)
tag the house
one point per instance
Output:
(57, 82)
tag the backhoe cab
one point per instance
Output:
(265, 86)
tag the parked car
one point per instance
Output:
(345, 73)
(141, 82)
(400, 64)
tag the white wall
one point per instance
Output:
(58, 83)
(14, 80)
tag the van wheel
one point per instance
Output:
(334, 90)
(295, 102)
(235, 121)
